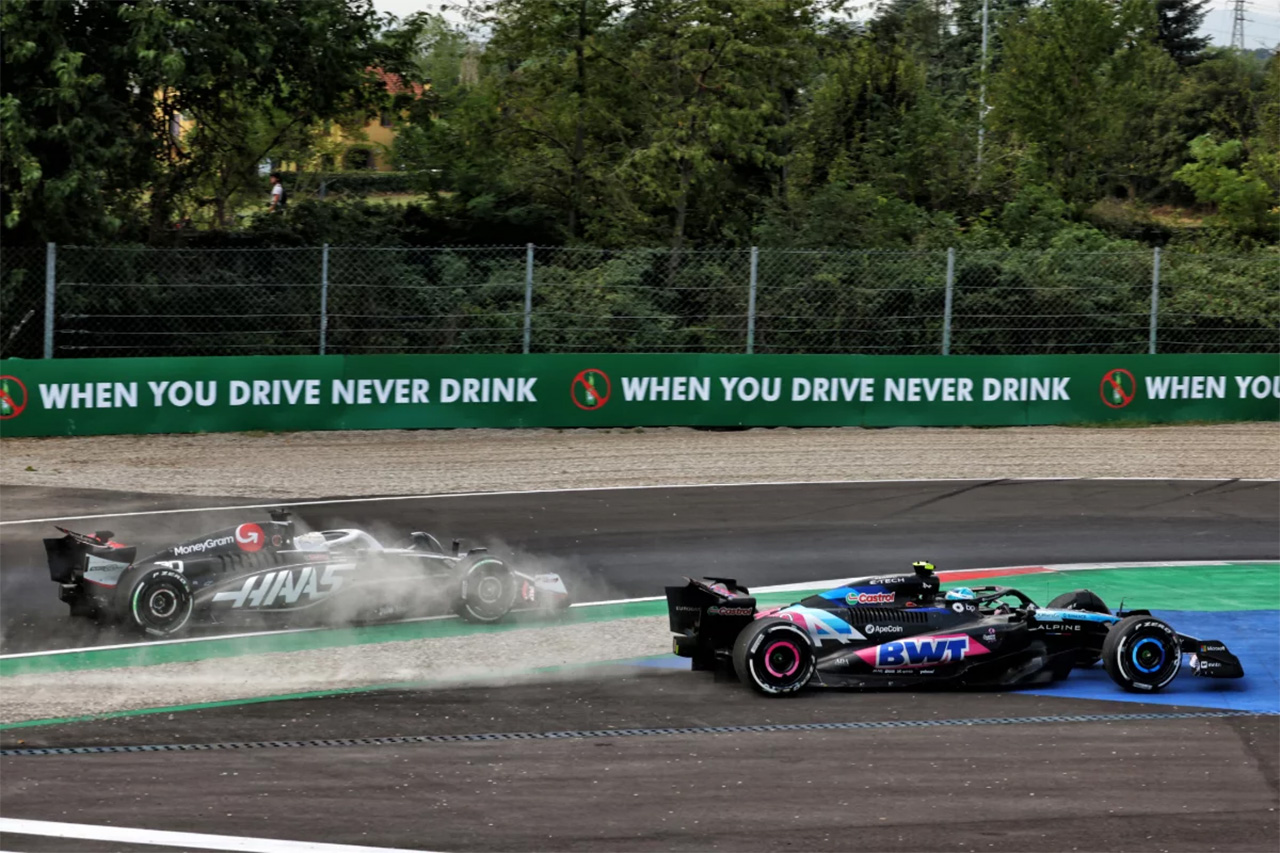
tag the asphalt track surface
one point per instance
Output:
(632, 542)
(977, 773)
(1192, 784)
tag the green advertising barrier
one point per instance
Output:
(285, 393)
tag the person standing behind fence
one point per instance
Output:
(279, 198)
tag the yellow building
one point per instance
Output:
(369, 147)
(340, 148)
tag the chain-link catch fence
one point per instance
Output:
(512, 299)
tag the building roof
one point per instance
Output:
(397, 85)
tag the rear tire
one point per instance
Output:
(1142, 654)
(160, 603)
(1088, 601)
(774, 656)
(488, 592)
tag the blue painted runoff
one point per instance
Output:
(1252, 635)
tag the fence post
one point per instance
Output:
(528, 296)
(946, 309)
(50, 287)
(1155, 298)
(751, 300)
(324, 296)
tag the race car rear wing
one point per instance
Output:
(74, 552)
(706, 616)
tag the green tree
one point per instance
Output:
(1180, 22)
(442, 55)
(553, 84)
(70, 164)
(713, 79)
(1080, 78)
(94, 96)
(1226, 175)
(867, 86)
(443, 60)
(1222, 95)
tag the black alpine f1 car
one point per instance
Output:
(902, 631)
(267, 570)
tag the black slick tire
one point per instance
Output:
(1088, 601)
(488, 592)
(1079, 599)
(774, 657)
(160, 603)
(1142, 654)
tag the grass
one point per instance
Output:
(1119, 213)
(399, 199)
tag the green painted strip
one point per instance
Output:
(1238, 586)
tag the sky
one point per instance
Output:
(1261, 29)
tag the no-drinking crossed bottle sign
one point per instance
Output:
(13, 397)
(590, 389)
(1118, 388)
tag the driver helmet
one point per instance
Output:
(960, 593)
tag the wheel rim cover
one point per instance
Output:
(162, 603)
(1148, 654)
(490, 590)
(782, 659)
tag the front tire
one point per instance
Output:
(1079, 599)
(488, 592)
(774, 656)
(160, 603)
(1142, 654)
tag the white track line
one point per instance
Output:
(388, 498)
(786, 587)
(188, 840)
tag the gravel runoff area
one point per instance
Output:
(310, 465)
(317, 464)
(479, 658)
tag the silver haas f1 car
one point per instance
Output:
(268, 572)
(902, 631)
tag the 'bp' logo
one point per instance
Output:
(13, 397)
(590, 389)
(1118, 388)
